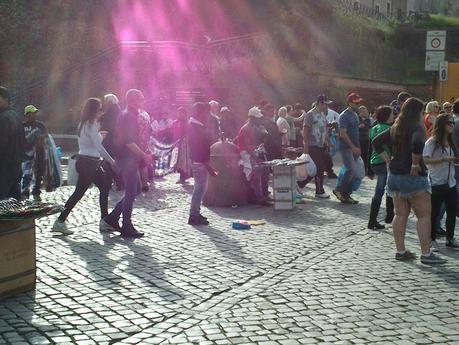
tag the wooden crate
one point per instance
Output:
(17, 257)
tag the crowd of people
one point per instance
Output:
(409, 147)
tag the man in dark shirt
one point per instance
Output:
(35, 133)
(199, 146)
(128, 157)
(349, 147)
(11, 148)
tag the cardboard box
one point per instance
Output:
(17, 257)
(284, 186)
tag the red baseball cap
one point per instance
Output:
(354, 97)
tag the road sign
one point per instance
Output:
(433, 60)
(436, 40)
(443, 71)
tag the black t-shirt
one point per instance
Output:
(11, 139)
(364, 129)
(127, 132)
(401, 161)
(35, 132)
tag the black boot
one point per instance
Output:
(373, 222)
(389, 210)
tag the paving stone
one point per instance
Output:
(311, 275)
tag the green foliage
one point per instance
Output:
(438, 21)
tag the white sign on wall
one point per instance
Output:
(433, 59)
(436, 40)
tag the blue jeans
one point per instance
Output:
(350, 163)
(259, 182)
(131, 179)
(201, 179)
(380, 171)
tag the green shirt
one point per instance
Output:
(374, 132)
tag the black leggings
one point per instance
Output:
(444, 194)
(89, 171)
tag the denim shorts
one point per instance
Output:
(405, 186)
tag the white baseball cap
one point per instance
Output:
(255, 112)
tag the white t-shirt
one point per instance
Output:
(332, 116)
(90, 142)
(284, 128)
(441, 173)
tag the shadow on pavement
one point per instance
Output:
(107, 263)
(227, 246)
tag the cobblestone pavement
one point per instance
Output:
(312, 275)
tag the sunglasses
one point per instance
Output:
(448, 107)
(450, 123)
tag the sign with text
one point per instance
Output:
(436, 40)
(433, 59)
(443, 71)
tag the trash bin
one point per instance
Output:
(229, 187)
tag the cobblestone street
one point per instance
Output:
(312, 275)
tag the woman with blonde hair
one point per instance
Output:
(407, 181)
(432, 110)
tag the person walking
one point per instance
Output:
(12, 143)
(407, 182)
(315, 134)
(108, 121)
(89, 164)
(129, 155)
(349, 147)
(440, 154)
(384, 118)
(35, 133)
(199, 145)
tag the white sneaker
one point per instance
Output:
(61, 227)
(105, 227)
(323, 196)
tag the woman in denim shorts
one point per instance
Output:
(407, 182)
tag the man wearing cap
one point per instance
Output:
(315, 136)
(349, 147)
(35, 133)
(11, 148)
(250, 142)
